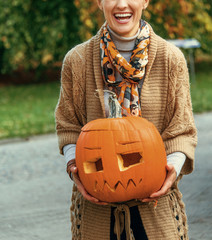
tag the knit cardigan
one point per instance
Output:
(165, 101)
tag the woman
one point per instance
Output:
(149, 76)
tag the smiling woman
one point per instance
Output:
(123, 17)
(146, 77)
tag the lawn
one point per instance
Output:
(201, 92)
(201, 89)
(27, 110)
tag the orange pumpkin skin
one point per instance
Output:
(120, 159)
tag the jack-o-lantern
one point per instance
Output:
(120, 159)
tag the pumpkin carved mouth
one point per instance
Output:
(130, 183)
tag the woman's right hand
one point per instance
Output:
(72, 169)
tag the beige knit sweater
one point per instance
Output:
(165, 101)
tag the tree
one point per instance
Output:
(170, 19)
(182, 19)
(37, 33)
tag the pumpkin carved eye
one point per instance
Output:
(128, 160)
(128, 156)
(93, 165)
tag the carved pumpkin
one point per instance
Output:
(120, 159)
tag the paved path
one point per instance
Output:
(197, 187)
(35, 190)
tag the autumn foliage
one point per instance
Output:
(37, 34)
(34, 34)
(170, 19)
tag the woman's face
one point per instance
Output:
(123, 16)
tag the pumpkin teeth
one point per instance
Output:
(131, 181)
(115, 187)
(97, 187)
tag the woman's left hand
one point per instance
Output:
(170, 179)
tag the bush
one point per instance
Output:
(34, 34)
(182, 19)
(170, 19)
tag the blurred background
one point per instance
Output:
(34, 38)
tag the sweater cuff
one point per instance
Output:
(69, 152)
(66, 137)
(184, 145)
(177, 159)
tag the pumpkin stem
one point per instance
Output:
(114, 105)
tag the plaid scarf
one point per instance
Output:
(132, 72)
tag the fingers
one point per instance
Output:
(148, 199)
(70, 166)
(73, 173)
(170, 168)
(102, 203)
(85, 194)
(170, 178)
(82, 190)
(73, 169)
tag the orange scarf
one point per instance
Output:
(132, 72)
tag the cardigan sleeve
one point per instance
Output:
(70, 111)
(180, 134)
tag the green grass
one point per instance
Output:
(201, 92)
(27, 110)
(201, 89)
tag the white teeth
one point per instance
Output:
(122, 15)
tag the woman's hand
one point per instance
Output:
(72, 169)
(170, 179)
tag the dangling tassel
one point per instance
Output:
(155, 204)
(114, 106)
(118, 213)
(115, 109)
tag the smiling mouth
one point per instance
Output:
(123, 16)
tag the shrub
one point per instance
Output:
(37, 33)
(170, 19)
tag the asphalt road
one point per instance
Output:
(35, 190)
